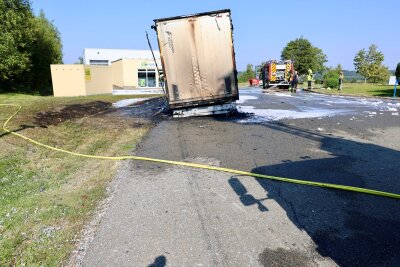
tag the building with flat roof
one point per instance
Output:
(106, 70)
(104, 57)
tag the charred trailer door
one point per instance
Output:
(198, 59)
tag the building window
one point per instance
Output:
(98, 62)
(142, 79)
(147, 78)
(161, 79)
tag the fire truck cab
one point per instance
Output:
(276, 74)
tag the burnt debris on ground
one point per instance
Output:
(141, 113)
(70, 112)
(154, 109)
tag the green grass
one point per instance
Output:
(243, 84)
(50, 101)
(356, 89)
(46, 197)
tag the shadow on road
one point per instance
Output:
(244, 197)
(351, 228)
(160, 261)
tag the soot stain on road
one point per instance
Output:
(284, 257)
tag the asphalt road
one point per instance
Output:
(163, 215)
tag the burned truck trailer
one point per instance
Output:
(198, 59)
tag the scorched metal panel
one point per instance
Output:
(197, 54)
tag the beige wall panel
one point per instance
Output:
(130, 72)
(101, 80)
(68, 80)
(117, 73)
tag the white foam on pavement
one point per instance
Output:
(311, 105)
(128, 102)
(394, 104)
(244, 98)
(250, 90)
(283, 94)
(263, 115)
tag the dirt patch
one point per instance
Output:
(69, 112)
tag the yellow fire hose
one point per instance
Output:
(199, 166)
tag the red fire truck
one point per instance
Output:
(276, 74)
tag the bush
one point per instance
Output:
(332, 82)
(331, 78)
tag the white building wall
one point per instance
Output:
(115, 54)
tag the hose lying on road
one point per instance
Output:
(199, 166)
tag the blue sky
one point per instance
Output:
(261, 28)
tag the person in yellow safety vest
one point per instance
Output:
(341, 79)
(309, 78)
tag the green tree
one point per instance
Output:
(305, 55)
(248, 74)
(361, 64)
(47, 49)
(28, 45)
(16, 39)
(381, 74)
(369, 64)
(397, 73)
(339, 68)
(80, 60)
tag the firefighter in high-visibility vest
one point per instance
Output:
(309, 78)
(341, 79)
